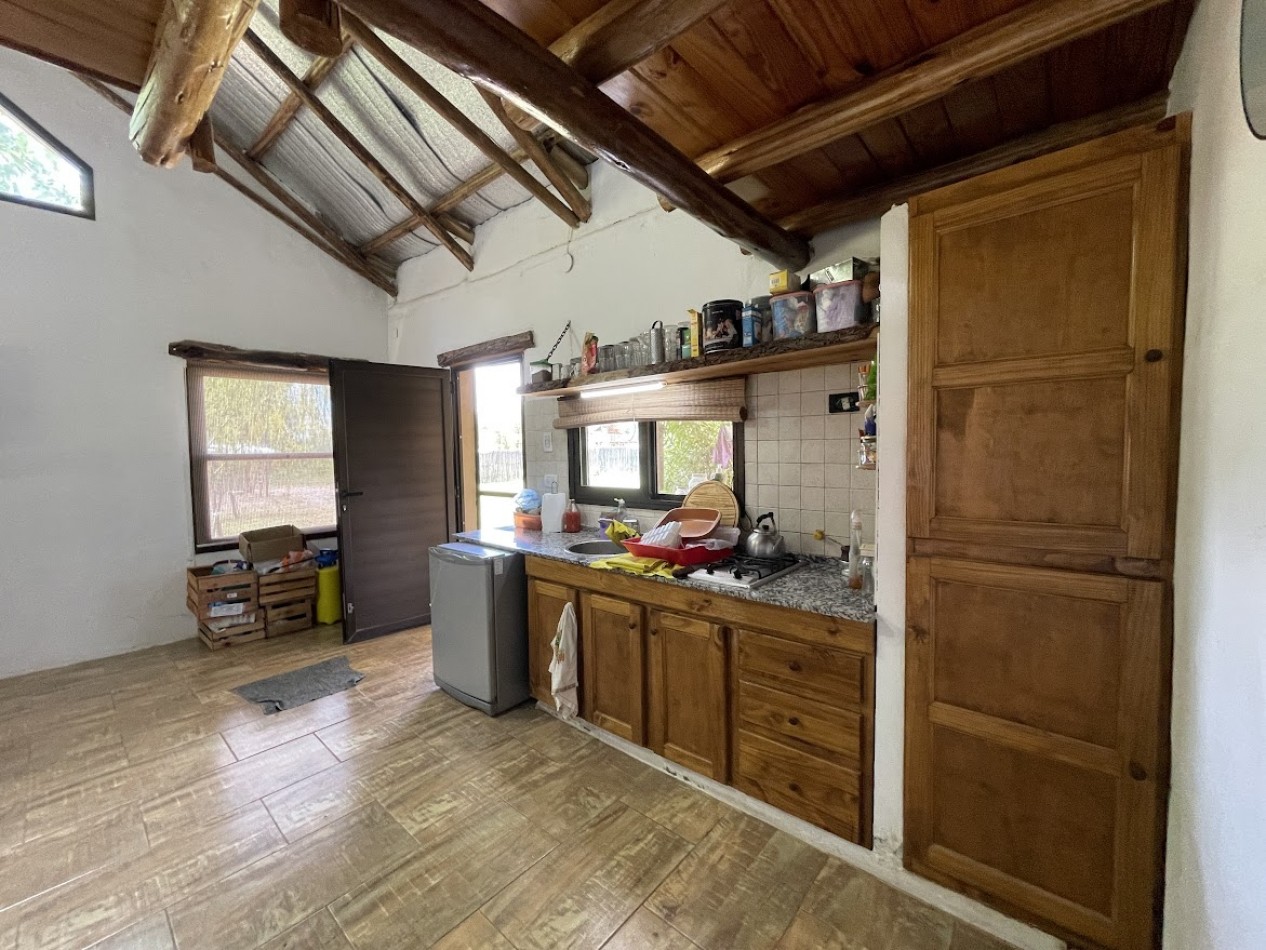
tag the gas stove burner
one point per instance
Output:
(747, 572)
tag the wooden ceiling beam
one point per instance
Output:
(536, 151)
(357, 148)
(481, 179)
(332, 244)
(619, 35)
(192, 47)
(477, 43)
(317, 73)
(477, 137)
(312, 25)
(858, 206)
(1004, 41)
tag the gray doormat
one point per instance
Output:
(287, 690)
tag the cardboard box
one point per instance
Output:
(269, 544)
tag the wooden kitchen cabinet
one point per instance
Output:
(686, 692)
(545, 605)
(1045, 356)
(799, 732)
(612, 677)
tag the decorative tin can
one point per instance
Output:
(757, 321)
(722, 325)
(794, 315)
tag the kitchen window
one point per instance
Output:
(260, 452)
(652, 464)
(37, 170)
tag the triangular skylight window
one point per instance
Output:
(37, 170)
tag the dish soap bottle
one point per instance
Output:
(571, 517)
(855, 579)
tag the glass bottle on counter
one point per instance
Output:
(571, 517)
(855, 578)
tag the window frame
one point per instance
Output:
(468, 452)
(648, 466)
(199, 457)
(89, 210)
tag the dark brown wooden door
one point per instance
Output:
(686, 693)
(394, 468)
(612, 665)
(1045, 354)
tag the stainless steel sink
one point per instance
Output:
(598, 548)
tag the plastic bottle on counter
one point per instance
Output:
(571, 517)
(855, 578)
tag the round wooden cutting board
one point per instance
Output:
(714, 495)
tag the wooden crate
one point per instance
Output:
(243, 633)
(203, 590)
(291, 617)
(286, 586)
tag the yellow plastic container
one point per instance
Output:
(329, 599)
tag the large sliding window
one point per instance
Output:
(260, 452)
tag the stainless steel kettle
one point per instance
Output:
(766, 540)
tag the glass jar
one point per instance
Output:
(621, 356)
(606, 358)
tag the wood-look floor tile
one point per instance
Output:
(313, 802)
(553, 739)
(474, 933)
(152, 933)
(74, 767)
(262, 901)
(647, 931)
(320, 931)
(554, 797)
(740, 887)
(229, 788)
(967, 937)
(113, 898)
(40, 865)
(672, 803)
(386, 724)
(584, 890)
(261, 734)
(463, 860)
(93, 796)
(849, 908)
(443, 787)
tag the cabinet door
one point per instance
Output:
(545, 606)
(611, 654)
(1045, 349)
(1036, 704)
(686, 693)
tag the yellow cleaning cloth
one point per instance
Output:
(630, 564)
(618, 531)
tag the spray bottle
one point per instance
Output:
(855, 580)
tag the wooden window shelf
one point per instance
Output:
(818, 349)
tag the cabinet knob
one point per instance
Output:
(793, 720)
(1154, 356)
(793, 786)
(794, 666)
(1137, 772)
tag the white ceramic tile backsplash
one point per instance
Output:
(800, 460)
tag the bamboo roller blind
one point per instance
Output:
(714, 399)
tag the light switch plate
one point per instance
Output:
(547, 441)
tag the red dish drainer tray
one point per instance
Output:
(691, 555)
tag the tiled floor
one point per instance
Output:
(143, 806)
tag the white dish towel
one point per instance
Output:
(562, 667)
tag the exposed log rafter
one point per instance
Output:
(990, 48)
(324, 238)
(477, 43)
(357, 148)
(870, 203)
(192, 47)
(312, 25)
(477, 137)
(536, 151)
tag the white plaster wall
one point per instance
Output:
(1216, 874)
(631, 264)
(94, 475)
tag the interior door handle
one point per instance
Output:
(350, 494)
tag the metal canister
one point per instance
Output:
(722, 325)
(657, 341)
(758, 322)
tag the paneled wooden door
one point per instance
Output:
(612, 661)
(1045, 355)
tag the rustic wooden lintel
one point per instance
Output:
(198, 352)
(488, 350)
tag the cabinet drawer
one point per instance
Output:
(818, 791)
(830, 729)
(832, 676)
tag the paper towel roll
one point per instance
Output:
(552, 505)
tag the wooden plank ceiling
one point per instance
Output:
(738, 70)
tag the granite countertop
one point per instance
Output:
(819, 587)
